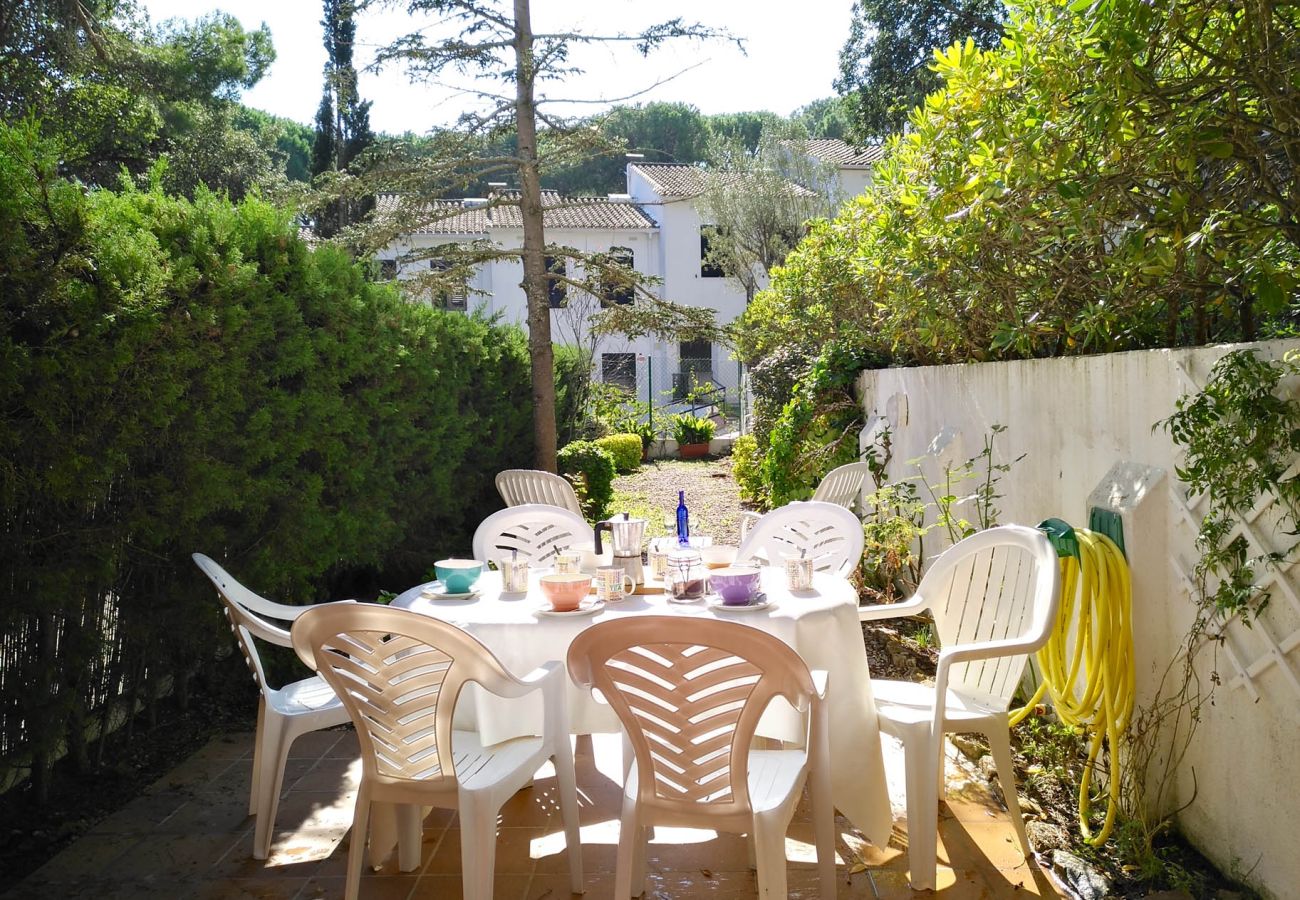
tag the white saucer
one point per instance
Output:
(758, 601)
(585, 608)
(438, 591)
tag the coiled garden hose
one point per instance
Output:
(1091, 678)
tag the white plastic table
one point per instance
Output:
(821, 625)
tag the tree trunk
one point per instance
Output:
(540, 350)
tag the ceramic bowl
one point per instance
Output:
(458, 576)
(565, 592)
(736, 584)
(718, 555)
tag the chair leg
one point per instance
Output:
(478, 846)
(769, 848)
(410, 836)
(357, 848)
(567, 780)
(630, 835)
(824, 829)
(1000, 747)
(258, 752)
(270, 779)
(922, 810)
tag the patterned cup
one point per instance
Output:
(799, 573)
(568, 562)
(613, 583)
(514, 575)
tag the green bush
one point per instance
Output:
(688, 429)
(591, 468)
(746, 468)
(625, 448)
(185, 376)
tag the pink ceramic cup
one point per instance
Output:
(565, 592)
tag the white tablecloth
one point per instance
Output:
(821, 625)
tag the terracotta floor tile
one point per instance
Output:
(449, 887)
(394, 887)
(85, 859)
(513, 852)
(143, 814)
(346, 747)
(245, 889)
(172, 857)
(232, 745)
(597, 885)
(892, 884)
(315, 744)
(972, 841)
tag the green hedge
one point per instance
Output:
(182, 376)
(625, 448)
(592, 469)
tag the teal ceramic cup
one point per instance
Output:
(458, 576)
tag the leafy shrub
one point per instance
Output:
(189, 375)
(625, 448)
(591, 468)
(688, 429)
(746, 469)
(1050, 201)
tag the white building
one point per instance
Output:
(853, 165)
(655, 228)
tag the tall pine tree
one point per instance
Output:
(343, 120)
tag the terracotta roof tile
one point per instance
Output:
(454, 217)
(671, 180)
(844, 155)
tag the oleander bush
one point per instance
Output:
(625, 448)
(183, 376)
(591, 469)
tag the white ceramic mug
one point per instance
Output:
(514, 575)
(568, 562)
(798, 573)
(613, 583)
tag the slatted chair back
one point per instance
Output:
(250, 616)
(996, 585)
(535, 532)
(520, 486)
(689, 694)
(843, 486)
(399, 675)
(827, 533)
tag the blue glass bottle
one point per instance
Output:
(683, 521)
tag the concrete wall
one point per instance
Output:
(1086, 423)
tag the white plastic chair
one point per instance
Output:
(520, 486)
(536, 531)
(399, 674)
(689, 694)
(828, 534)
(283, 714)
(994, 598)
(841, 486)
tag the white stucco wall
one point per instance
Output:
(1075, 419)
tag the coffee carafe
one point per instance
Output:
(625, 534)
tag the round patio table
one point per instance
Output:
(821, 625)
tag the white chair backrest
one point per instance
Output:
(536, 531)
(689, 694)
(249, 615)
(398, 674)
(520, 486)
(827, 533)
(843, 486)
(995, 585)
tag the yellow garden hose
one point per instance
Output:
(1091, 679)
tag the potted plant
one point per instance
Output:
(692, 435)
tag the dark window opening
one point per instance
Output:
(619, 369)
(708, 267)
(615, 290)
(453, 297)
(556, 291)
(387, 269)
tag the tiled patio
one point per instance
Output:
(189, 836)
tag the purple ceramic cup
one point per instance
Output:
(735, 584)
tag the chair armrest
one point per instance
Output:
(821, 679)
(511, 686)
(747, 520)
(878, 611)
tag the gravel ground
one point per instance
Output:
(711, 496)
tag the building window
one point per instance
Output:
(708, 268)
(387, 269)
(615, 290)
(619, 369)
(556, 291)
(453, 297)
(694, 369)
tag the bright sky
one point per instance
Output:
(791, 57)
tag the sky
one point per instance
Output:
(791, 57)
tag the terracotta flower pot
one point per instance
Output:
(692, 451)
